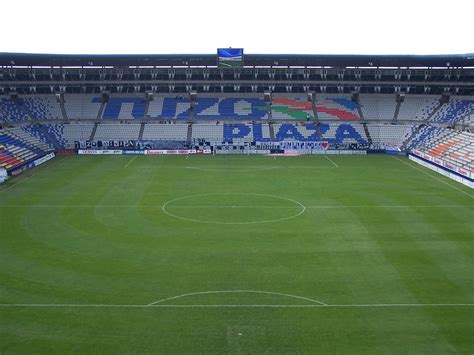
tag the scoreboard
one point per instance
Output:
(230, 57)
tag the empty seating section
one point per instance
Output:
(417, 108)
(172, 132)
(123, 108)
(337, 108)
(386, 136)
(64, 134)
(423, 135)
(155, 107)
(284, 108)
(67, 134)
(337, 123)
(117, 131)
(240, 133)
(209, 132)
(18, 147)
(343, 133)
(456, 148)
(37, 107)
(468, 120)
(42, 107)
(380, 107)
(10, 111)
(82, 106)
(39, 132)
(289, 107)
(26, 137)
(290, 132)
(454, 111)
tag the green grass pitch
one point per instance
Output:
(236, 254)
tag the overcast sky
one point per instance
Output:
(258, 26)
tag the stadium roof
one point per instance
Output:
(308, 60)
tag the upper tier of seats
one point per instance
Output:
(249, 108)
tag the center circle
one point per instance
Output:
(233, 208)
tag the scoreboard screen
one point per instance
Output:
(230, 57)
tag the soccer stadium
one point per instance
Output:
(234, 202)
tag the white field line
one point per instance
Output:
(373, 305)
(332, 161)
(37, 173)
(238, 291)
(434, 177)
(165, 211)
(131, 161)
(234, 206)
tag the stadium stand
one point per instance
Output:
(337, 108)
(378, 107)
(117, 131)
(383, 135)
(387, 136)
(18, 147)
(454, 111)
(10, 111)
(353, 133)
(417, 108)
(456, 148)
(130, 106)
(81, 106)
(165, 132)
(420, 135)
(213, 133)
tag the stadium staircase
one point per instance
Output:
(397, 111)
(318, 131)
(101, 111)
(433, 113)
(63, 110)
(272, 131)
(93, 131)
(367, 133)
(147, 107)
(315, 113)
(359, 110)
(189, 134)
(49, 137)
(142, 129)
(411, 137)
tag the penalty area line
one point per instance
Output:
(332, 161)
(131, 161)
(374, 305)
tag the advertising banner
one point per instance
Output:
(32, 164)
(41, 160)
(133, 152)
(294, 145)
(176, 152)
(99, 152)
